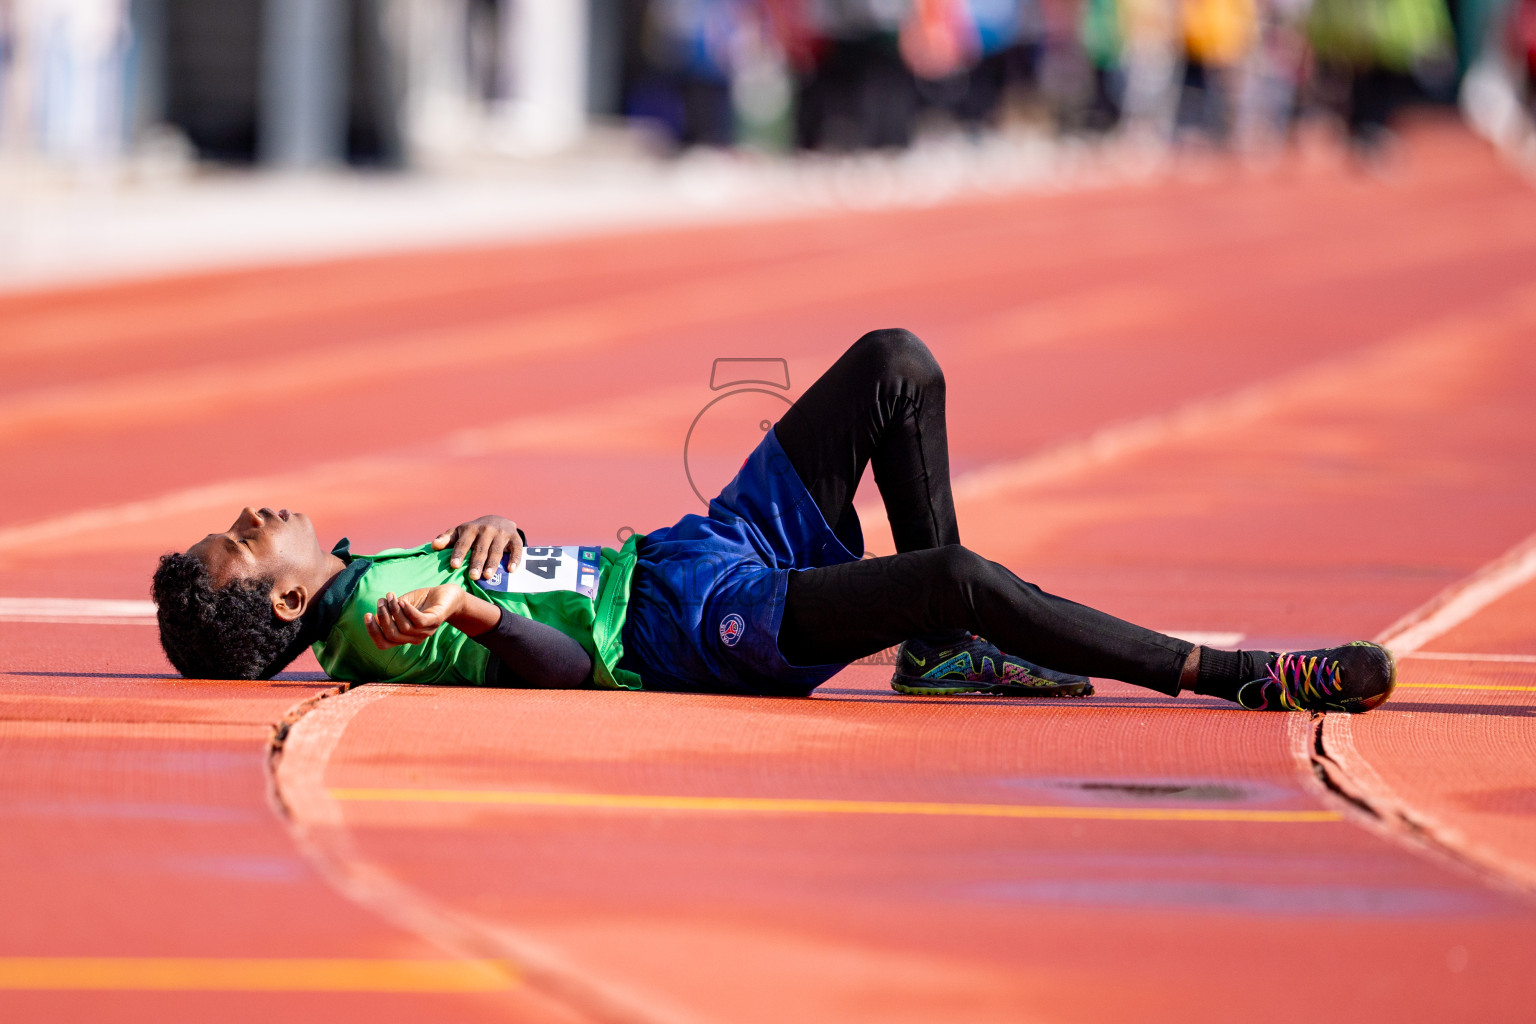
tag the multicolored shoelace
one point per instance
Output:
(1299, 678)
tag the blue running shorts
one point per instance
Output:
(707, 595)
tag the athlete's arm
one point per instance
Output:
(412, 618)
(532, 653)
(484, 540)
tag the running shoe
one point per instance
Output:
(975, 666)
(1353, 678)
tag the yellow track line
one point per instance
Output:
(1464, 686)
(779, 805)
(1510, 659)
(221, 974)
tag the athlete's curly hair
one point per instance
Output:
(210, 632)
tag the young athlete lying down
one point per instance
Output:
(766, 595)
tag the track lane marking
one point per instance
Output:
(181, 394)
(1104, 447)
(582, 428)
(94, 611)
(251, 974)
(1462, 600)
(1406, 812)
(794, 805)
(1206, 638)
(76, 620)
(1417, 350)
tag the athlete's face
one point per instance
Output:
(261, 543)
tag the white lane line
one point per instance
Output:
(546, 432)
(1204, 638)
(86, 610)
(1118, 441)
(1460, 601)
(1416, 352)
(228, 495)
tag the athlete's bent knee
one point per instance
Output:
(900, 354)
(955, 565)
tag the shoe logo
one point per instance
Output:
(731, 629)
(919, 662)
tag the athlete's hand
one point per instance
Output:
(485, 540)
(413, 618)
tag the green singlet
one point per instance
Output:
(581, 591)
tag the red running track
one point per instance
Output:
(1294, 407)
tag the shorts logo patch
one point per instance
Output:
(731, 628)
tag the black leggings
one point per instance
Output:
(882, 403)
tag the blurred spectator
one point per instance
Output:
(967, 56)
(64, 79)
(1272, 77)
(858, 92)
(1478, 24)
(1066, 75)
(938, 39)
(1007, 34)
(762, 84)
(1498, 90)
(1152, 58)
(83, 82)
(717, 72)
(1522, 44)
(1101, 42)
(1383, 52)
(1218, 36)
(686, 85)
(8, 53)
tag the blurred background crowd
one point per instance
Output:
(312, 83)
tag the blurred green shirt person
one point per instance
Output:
(1391, 34)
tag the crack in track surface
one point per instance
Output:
(1331, 776)
(1393, 819)
(280, 730)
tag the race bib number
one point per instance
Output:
(543, 569)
